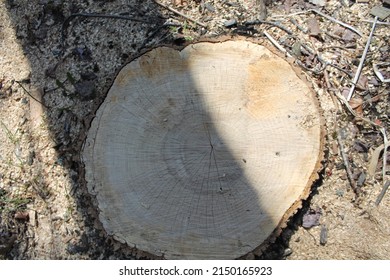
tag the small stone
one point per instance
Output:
(30, 158)
(287, 252)
(340, 193)
(230, 23)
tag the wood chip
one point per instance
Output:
(374, 160)
(314, 27)
(323, 235)
(21, 216)
(380, 12)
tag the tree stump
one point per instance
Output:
(203, 153)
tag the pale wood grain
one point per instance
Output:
(203, 153)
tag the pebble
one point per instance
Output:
(30, 158)
(287, 252)
(230, 23)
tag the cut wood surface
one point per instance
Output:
(203, 153)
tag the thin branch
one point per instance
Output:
(346, 164)
(298, 26)
(325, 16)
(278, 25)
(381, 129)
(29, 94)
(345, 48)
(362, 59)
(378, 22)
(323, 61)
(382, 194)
(290, 15)
(273, 41)
(337, 21)
(180, 14)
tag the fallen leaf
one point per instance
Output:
(356, 103)
(362, 82)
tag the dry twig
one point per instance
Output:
(362, 59)
(346, 164)
(298, 26)
(278, 25)
(325, 16)
(180, 14)
(337, 21)
(382, 194)
(381, 129)
(276, 44)
(29, 94)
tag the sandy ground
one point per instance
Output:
(54, 76)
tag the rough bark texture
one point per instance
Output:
(203, 153)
